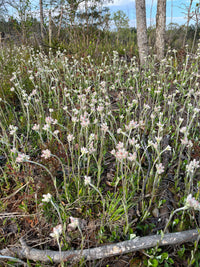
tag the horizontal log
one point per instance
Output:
(101, 252)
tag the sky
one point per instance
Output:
(176, 10)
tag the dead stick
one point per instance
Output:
(101, 252)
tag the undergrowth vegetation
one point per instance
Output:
(93, 154)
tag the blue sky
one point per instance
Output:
(175, 10)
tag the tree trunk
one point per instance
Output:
(50, 28)
(87, 22)
(60, 22)
(160, 29)
(41, 19)
(142, 31)
(189, 17)
(196, 27)
(24, 39)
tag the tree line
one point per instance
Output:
(89, 27)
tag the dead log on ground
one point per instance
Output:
(101, 252)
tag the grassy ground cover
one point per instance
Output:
(93, 154)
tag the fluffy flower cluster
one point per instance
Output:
(121, 153)
(191, 202)
(74, 224)
(192, 166)
(47, 197)
(70, 138)
(22, 157)
(36, 127)
(87, 180)
(46, 153)
(132, 125)
(184, 140)
(50, 120)
(84, 120)
(13, 129)
(57, 231)
(104, 127)
(160, 168)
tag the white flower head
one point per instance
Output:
(74, 119)
(22, 158)
(57, 230)
(49, 120)
(91, 148)
(121, 154)
(84, 150)
(132, 125)
(47, 197)
(184, 141)
(183, 130)
(120, 145)
(46, 153)
(46, 127)
(91, 137)
(119, 130)
(168, 148)
(191, 202)
(104, 127)
(100, 108)
(87, 180)
(160, 125)
(70, 138)
(56, 132)
(158, 139)
(13, 129)
(194, 164)
(132, 141)
(84, 120)
(132, 157)
(160, 168)
(74, 224)
(36, 127)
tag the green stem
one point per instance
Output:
(53, 178)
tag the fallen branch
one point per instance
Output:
(101, 252)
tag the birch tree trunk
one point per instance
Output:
(160, 29)
(142, 40)
(41, 19)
